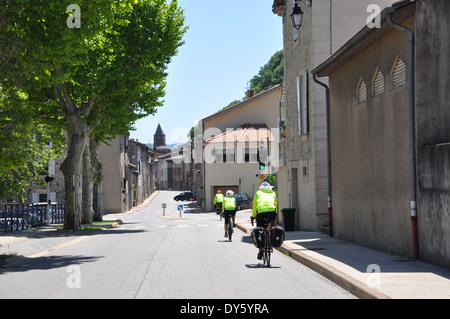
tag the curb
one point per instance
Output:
(352, 285)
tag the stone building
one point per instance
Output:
(303, 171)
(390, 133)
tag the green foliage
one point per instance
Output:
(108, 73)
(24, 137)
(270, 74)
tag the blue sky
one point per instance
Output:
(227, 43)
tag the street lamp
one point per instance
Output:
(297, 13)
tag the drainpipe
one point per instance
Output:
(330, 210)
(412, 136)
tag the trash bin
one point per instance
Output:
(288, 218)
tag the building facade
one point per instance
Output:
(303, 173)
(390, 133)
(225, 165)
(127, 174)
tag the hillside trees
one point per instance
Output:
(271, 74)
(96, 79)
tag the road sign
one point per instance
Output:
(261, 176)
(180, 209)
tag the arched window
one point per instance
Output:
(361, 91)
(378, 83)
(398, 73)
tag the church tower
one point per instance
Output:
(159, 139)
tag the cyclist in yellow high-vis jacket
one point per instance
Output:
(229, 209)
(265, 204)
(218, 199)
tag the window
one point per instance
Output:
(224, 155)
(361, 91)
(398, 73)
(378, 83)
(251, 155)
(302, 100)
(229, 155)
(219, 156)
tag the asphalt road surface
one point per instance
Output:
(156, 256)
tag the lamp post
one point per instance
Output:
(297, 13)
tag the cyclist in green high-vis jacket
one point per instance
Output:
(265, 204)
(229, 209)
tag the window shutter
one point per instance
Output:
(51, 168)
(299, 101)
(362, 92)
(305, 103)
(35, 198)
(399, 74)
(378, 85)
(302, 99)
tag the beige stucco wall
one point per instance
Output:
(350, 16)
(111, 158)
(262, 108)
(370, 152)
(224, 174)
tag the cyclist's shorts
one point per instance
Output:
(261, 216)
(228, 213)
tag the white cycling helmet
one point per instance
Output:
(230, 193)
(265, 185)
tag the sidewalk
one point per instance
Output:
(50, 238)
(364, 272)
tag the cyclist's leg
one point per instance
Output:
(260, 223)
(227, 216)
(273, 216)
(233, 216)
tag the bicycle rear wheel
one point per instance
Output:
(267, 251)
(230, 228)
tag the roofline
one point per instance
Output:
(361, 40)
(240, 104)
(244, 127)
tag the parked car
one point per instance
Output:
(186, 196)
(242, 201)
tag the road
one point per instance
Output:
(154, 256)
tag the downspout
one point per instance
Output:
(412, 135)
(330, 208)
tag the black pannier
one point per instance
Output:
(257, 237)
(277, 236)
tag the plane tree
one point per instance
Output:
(92, 70)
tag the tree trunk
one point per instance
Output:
(97, 204)
(71, 166)
(71, 169)
(87, 213)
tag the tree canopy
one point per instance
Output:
(95, 79)
(271, 74)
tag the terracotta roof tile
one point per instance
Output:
(249, 132)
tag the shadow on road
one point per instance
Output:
(23, 264)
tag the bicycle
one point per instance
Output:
(230, 227)
(267, 248)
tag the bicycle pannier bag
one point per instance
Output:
(277, 234)
(257, 237)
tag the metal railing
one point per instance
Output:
(24, 218)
